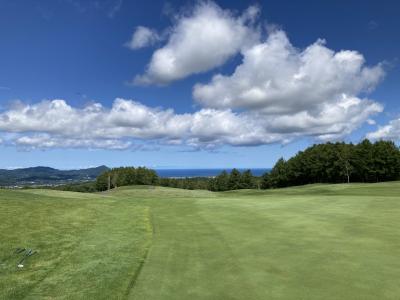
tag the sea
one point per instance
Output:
(187, 173)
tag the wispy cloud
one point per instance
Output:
(372, 25)
(115, 8)
(143, 37)
(109, 7)
(45, 12)
(77, 5)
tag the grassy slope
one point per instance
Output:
(314, 242)
(89, 246)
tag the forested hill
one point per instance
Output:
(46, 175)
(337, 163)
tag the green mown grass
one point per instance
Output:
(311, 242)
(89, 247)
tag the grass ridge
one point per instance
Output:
(137, 272)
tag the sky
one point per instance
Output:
(193, 84)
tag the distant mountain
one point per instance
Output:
(47, 176)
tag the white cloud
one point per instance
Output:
(56, 124)
(44, 141)
(116, 7)
(331, 122)
(277, 94)
(277, 78)
(295, 93)
(391, 131)
(199, 41)
(143, 37)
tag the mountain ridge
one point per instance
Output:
(42, 175)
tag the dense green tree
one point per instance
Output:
(265, 181)
(336, 163)
(81, 187)
(145, 176)
(247, 180)
(126, 176)
(386, 161)
(102, 181)
(219, 183)
(193, 183)
(234, 180)
(321, 163)
(364, 161)
(279, 176)
(222, 181)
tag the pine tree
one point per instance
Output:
(279, 174)
(222, 181)
(234, 180)
(265, 181)
(247, 180)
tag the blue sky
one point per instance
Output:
(85, 53)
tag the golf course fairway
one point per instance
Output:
(311, 242)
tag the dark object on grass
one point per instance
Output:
(28, 253)
(19, 250)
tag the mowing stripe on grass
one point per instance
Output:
(142, 262)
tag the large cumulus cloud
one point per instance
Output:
(200, 40)
(278, 92)
(55, 124)
(277, 78)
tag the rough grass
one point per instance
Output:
(89, 246)
(312, 242)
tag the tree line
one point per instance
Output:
(124, 176)
(337, 163)
(320, 163)
(233, 181)
(189, 183)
